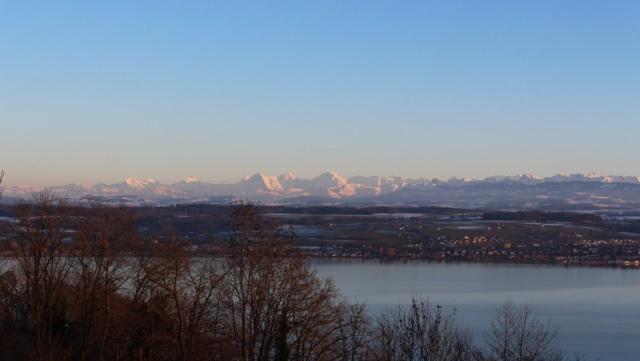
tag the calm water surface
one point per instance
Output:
(597, 309)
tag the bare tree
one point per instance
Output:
(187, 288)
(1, 178)
(354, 335)
(100, 272)
(421, 332)
(516, 335)
(13, 340)
(278, 309)
(42, 269)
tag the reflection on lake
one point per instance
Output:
(597, 309)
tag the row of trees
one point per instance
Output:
(90, 288)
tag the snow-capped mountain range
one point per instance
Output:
(333, 187)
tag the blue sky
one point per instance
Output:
(102, 91)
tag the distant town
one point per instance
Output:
(405, 233)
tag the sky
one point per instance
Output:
(99, 91)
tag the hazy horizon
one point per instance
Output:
(8, 183)
(103, 91)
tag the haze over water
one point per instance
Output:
(596, 309)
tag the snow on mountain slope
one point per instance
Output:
(329, 185)
(292, 185)
(260, 183)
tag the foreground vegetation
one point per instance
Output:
(102, 292)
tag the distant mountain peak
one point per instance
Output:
(261, 183)
(332, 177)
(139, 183)
(288, 176)
(333, 186)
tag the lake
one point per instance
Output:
(597, 309)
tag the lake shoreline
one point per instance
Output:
(567, 264)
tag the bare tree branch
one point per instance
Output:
(1, 178)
